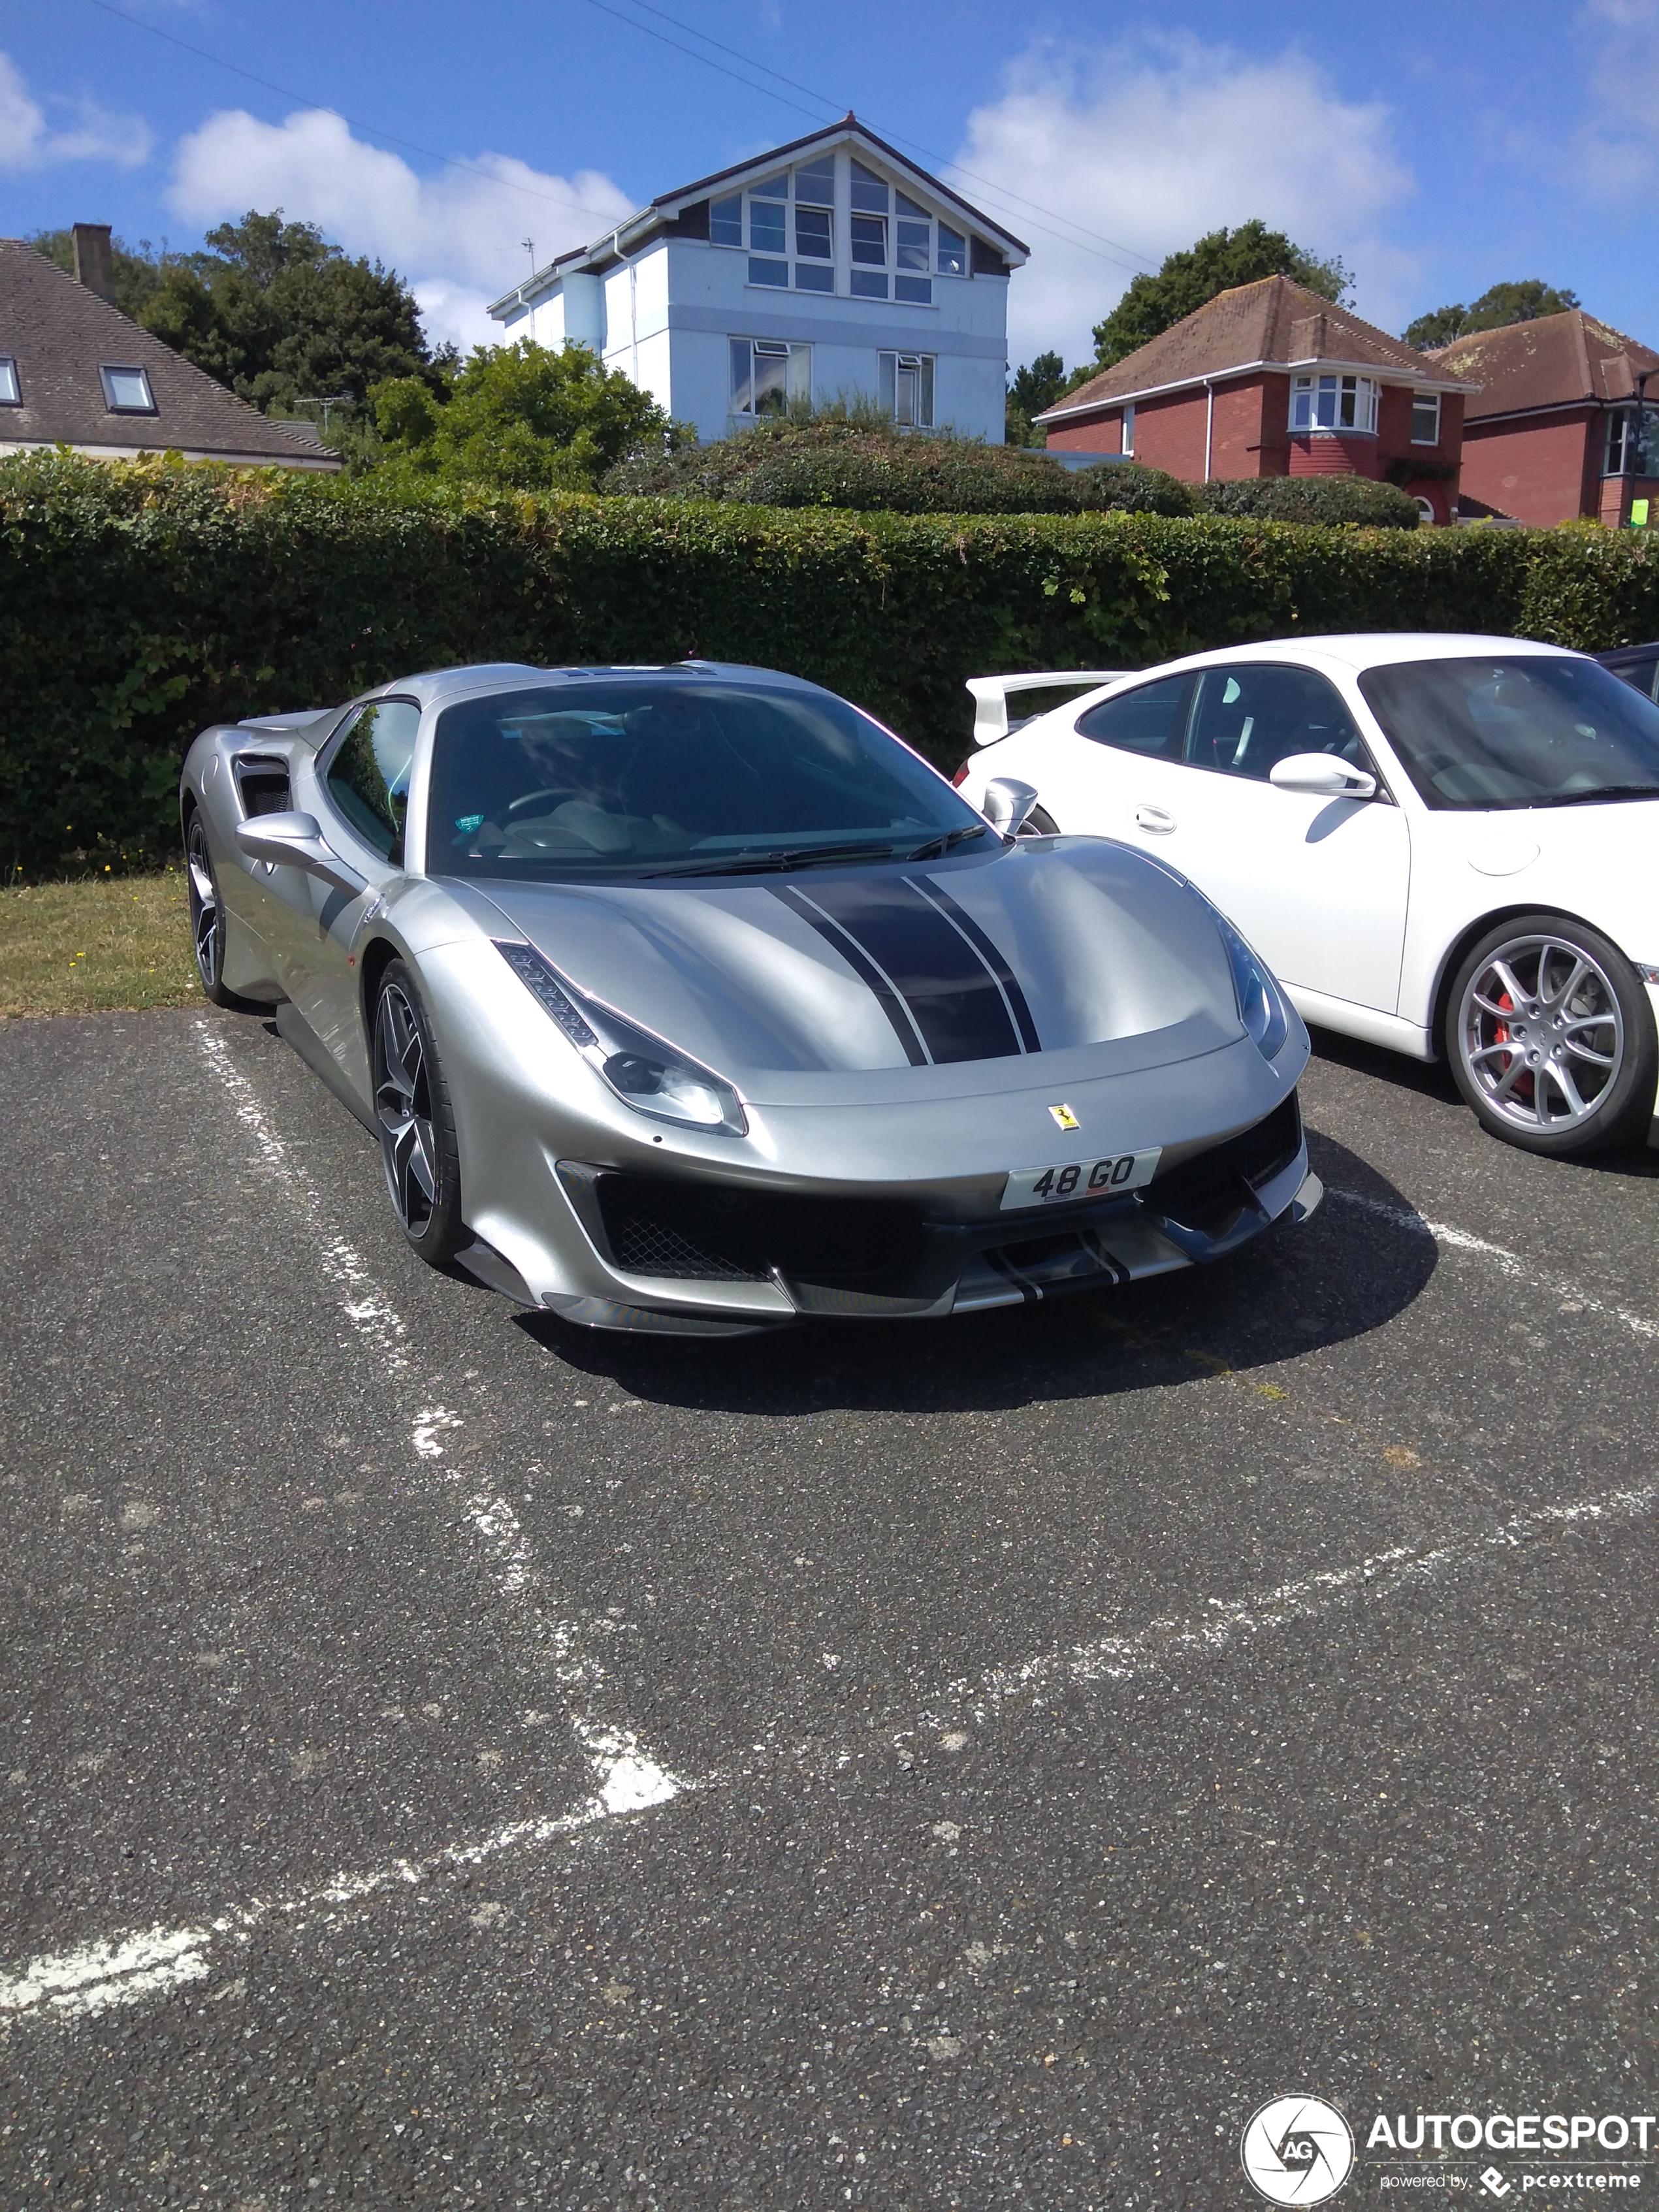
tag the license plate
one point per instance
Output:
(1076, 1179)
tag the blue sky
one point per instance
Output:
(1436, 150)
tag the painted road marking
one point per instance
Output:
(129, 1969)
(1499, 1256)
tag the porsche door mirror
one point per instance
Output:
(1322, 775)
(295, 841)
(1007, 804)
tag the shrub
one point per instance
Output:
(1312, 499)
(869, 468)
(141, 600)
(1129, 488)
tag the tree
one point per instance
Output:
(1030, 389)
(1219, 261)
(521, 418)
(273, 310)
(138, 274)
(1499, 305)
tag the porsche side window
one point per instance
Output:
(368, 772)
(1247, 720)
(1149, 721)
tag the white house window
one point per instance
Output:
(767, 374)
(870, 193)
(815, 185)
(1129, 442)
(126, 391)
(10, 392)
(904, 388)
(952, 252)
(1425, 513)
(1334, 402)
(1426, 418)
(726, 221)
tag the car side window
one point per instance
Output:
(368, 771)
(1247, 719)
(1148, 720)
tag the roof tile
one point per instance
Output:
(1554, 361)
(60, 333)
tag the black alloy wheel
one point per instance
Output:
(417, 1128)
(1551, 1038)
(207, 913)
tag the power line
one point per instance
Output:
(370, 130)
(932, 153)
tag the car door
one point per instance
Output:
(363, 779)
(1119, 774)
(1319, 885)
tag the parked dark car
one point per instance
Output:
(1637, 664)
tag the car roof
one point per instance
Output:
(439, 687)
(1362, 649)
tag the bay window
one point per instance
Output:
(1632, 448)
(1334, 402)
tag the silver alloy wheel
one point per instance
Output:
(1540, 1034)
(206, 915)
(402, 1107)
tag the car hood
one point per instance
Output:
(1035, 962)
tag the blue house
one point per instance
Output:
(832, 268)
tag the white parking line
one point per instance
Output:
(1499, 1256)
(128, 1969)
(625, 1775)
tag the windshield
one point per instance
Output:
(1527, 732)
(672, 778)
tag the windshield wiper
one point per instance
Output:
(936, 847)
(758, 863)
(1606, 791)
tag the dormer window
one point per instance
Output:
(1334, 402)
(11, 393)
(126, 391)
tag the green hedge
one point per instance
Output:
(873, 470)
(1311, 499)
(140, 600)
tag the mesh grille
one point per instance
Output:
(693, 1233)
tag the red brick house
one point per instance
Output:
(1269, 379)
(1553, 431)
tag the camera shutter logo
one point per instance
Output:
(1297, 2150)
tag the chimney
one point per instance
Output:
(95, 266)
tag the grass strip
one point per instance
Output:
(91, 948)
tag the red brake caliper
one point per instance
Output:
(1501, 1035)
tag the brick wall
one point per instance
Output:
(1540, 468)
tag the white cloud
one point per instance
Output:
(1613, 157)
(455, 237)
(94, 134)
(1155, 141)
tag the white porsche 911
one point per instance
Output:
(1444, 844)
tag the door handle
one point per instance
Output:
(1158, 819)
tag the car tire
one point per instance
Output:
(1551, 1038)
(207, 912)
(413, 1115)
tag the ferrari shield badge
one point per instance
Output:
(1064, 1118)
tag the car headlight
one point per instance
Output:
(644, 1071)
(1261, 1008)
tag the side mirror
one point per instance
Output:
(296, 842)
(1322, 775)
(1007, 804)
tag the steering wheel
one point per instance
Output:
(554, 791)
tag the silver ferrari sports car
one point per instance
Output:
(690, 998)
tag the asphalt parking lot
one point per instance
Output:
(450, 1760)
